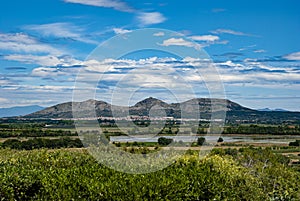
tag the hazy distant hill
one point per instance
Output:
(272, 110)
(19, 111)
(235, 112)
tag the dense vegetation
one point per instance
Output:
(248, 174)
(34, 132)
(164, 141)
(295, 143)
(38, 143)
(47, 173)
(254, 129)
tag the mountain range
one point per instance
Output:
(19, 110)
(141, 108)
(274, 110)
(235, 113)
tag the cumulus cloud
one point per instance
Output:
(47, 60)
(149, 18)
(153, 73)
(180, 42)
(115, 4)
(121, 31)
(293, 56)
(3, 100)
(209, 38)
(230, 72)
(5, 82)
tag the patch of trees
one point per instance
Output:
(164, 141)
(201, 141)
(33, 132)
(220, 139)
(256, 129)
(295, 143)
(38, 143)
(253, 129)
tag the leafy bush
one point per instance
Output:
(38, 143)
(75, 175)
(295, 143)
(164, 141)
(201, 141)
(220, 139)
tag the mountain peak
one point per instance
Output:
(150, 102)
(235, 112)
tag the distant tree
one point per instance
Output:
(12, 144)
(295, 143)
(164, 141)
(200, 141)
(201, 131)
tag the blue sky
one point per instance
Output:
(254, 44)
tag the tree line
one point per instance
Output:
(34, 132)
(253, 129)
(38, 143)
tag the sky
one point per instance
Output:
(254, 45)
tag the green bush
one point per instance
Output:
(164, 141)
(295, 143)
(201, 141)
(75, 175)
(38, 143)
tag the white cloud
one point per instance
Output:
(257, 73)
(148, 73)
(5, 81)
(3, 100)
(115, 4)
(151, 18)
(121, 31)
(223, 42)
(62, 30)
(17, 37)
(20, 42)
(293, 56)
(180, 42)
(42, 60)
(46, 72)
(247, 47)
(228, 31)
(259, 51)
(209, 38)
(232, 64)
(159, 34)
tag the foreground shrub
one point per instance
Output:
(75, 175)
